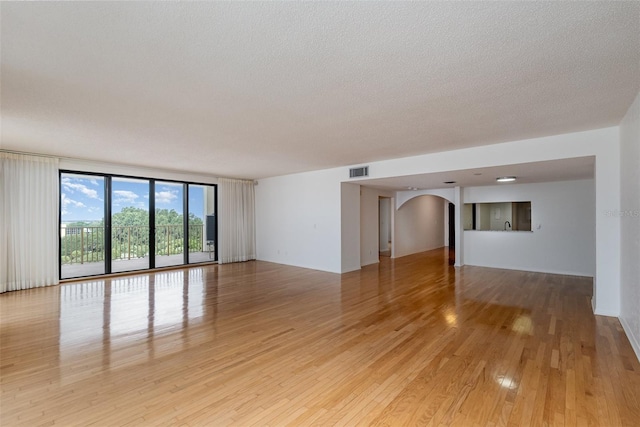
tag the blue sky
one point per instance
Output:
(82, 196)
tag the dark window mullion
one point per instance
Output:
(107, 225)
(59, 225)
(185, 223)
(152, 223)
(215, 204)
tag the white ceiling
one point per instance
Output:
(262, 89)
(525, 173)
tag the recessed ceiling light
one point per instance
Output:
(449, 182)
(506, 179)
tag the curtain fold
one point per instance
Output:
(28, 221)
(236, 227)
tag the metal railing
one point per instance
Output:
(79, 245)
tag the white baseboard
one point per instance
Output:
(536, 270)
(635, 343)
(606, 313)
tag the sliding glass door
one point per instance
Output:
(82, 228)
(202, 223)
(169, 223)
(130, 247)
(114, 224)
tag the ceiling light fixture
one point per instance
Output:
(449, 182)
(506, 179)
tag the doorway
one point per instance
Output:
(384, 226)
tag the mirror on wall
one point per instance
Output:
(503, 216)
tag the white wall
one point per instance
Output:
(449, 194)
(419, 225)
(369, 223)
(403, 197)
(606, 294)
(630, 227)
(287, 218)
(446, 222)
(603, 144)
(384, 220)
(298, 220)
(467, 216)
(563, 223)
(458, 226)
(368, 226)
(350, 227)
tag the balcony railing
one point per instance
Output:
(79, 245)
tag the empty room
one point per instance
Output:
(320, 213)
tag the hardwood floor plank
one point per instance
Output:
(409, 341)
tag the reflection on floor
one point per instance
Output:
(408, 341)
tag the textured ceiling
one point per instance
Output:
(526, 173)
(261, 89)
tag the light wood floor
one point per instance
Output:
(411, 341)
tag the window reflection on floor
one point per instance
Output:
(101, 321)
(129, 304)
(196, 295)
(81, 315)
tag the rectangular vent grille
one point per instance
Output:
(358, 172)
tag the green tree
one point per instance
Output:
(196, 228)
(84, 241)
(130, 233)
(130, 217)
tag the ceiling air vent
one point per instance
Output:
(358, 172)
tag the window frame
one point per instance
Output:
(108, 211)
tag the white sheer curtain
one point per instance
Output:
(29, 221)
(236, 227)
